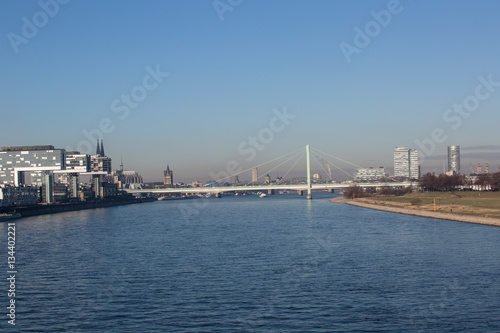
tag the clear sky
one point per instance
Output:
(67, 68)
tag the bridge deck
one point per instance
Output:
(299, 187)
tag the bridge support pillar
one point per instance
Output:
(331, 190)
(218, 195)
(270, 192)
(309, 194)
(301, 193)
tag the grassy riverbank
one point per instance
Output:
(485, 204)
(472, 207)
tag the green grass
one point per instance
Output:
(489, 200)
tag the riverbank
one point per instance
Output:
(414, 210)
(68, 207)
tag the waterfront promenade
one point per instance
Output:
(378, 205)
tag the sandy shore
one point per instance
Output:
(417, 212)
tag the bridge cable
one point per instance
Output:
(239, 173)
(338, 158)
(336, 166)
(266, 173)
(300, 157)
(321, 165)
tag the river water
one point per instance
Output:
(249, 264)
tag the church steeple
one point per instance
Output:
(102, 148)
(168, 177)
(98, 151)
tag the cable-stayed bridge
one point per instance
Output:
(293, 158)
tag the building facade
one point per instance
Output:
(255, 175)
(100, 162)
(406, 163)
(124, 178)
(34, 160)
(454, 159)
(19, 195)
(369, 174)
(77, 162)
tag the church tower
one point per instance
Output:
(98, 150)
(168, 177)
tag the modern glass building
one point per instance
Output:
(77, 162)
(454, 159)
(406, 163)
(34, 160)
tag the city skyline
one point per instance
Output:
(195, 88)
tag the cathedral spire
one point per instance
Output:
(98, 151)
(102, 148)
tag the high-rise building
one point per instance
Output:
(454, 159)
(406, 163)
(255, 175)
(268, 179)
(486, 168)
(479, 170)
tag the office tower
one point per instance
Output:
(479, 168)
(454, 159)
(236, 179)
(255, 175)
(486, 168)
(406, 163)
(268, 179)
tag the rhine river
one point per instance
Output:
(249, 264)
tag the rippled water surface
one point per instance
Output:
(249, 264)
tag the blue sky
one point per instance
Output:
(227, 76)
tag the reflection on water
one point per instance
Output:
(280, 263)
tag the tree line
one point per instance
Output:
(432, 182)
(442, 182)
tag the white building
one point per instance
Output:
(406, 163)
(369, 174)
(454, 159)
